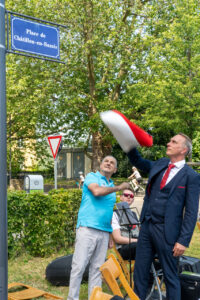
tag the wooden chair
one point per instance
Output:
(111, 272)
(97, 294)
(27, 292)
(125, 265)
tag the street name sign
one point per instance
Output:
(35, 38)
(54, 142)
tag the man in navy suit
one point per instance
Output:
(168, 216)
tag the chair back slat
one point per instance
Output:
(112, 272)
(97, 294)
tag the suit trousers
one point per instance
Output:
(91, 246)
(151, 241)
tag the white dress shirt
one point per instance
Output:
(178, 166)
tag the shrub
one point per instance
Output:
(39, 223)
(16, 213)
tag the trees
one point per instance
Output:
(169, 80)
(99, 48)
(104, 43)
(140, 57)
(30, 101)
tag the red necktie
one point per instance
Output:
(164, 179)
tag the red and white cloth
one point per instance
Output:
(128, 134)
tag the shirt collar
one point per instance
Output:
(179, 164)
(104, 177)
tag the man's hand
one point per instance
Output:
(124, 186)
(178, 249)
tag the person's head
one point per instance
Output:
(179, 147)
(108, 166)
(127, 196)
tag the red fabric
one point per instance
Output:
(143, 138)
(164, 179)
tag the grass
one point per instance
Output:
(194, 249)
(31, 270)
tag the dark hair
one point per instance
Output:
(129, 189)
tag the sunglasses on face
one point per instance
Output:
(128, 195)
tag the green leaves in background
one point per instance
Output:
(139, 57)
(41, 224)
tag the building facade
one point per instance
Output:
(71, 161)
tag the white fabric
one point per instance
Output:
(91, 245)
(115, 221)
(122, 133)
(82, 178)
(178, 166)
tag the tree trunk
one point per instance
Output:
(99, 150)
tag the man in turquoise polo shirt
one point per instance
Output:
(94, 226)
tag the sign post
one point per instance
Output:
(44, 41)
(54, 142)
(3, 167)
(55, 173)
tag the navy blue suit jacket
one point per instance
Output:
(182, 204)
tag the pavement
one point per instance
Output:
(137, 204)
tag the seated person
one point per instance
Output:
(120, 232)
(81, 180)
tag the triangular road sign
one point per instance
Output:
(54, 142)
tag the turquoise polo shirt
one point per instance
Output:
(96, 212)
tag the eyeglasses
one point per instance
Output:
(128, 195)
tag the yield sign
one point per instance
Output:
(54, 142)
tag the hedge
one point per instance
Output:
(41, 224)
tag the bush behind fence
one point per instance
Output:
(42, 224)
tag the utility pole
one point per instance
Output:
(3, 159)
(55, 56)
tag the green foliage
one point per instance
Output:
(124, 167)
(140, 57)
(41, 224)
(196, 147)
(167, 93)
(16, 214)
(66, 206)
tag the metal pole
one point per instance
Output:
(55, 173)
(3, 159)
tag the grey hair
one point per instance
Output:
(112, 157)
(188, 143)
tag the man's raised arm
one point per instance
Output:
(102, 190)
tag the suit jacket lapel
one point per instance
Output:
(177, 178)
(154, 171)
(162, 165)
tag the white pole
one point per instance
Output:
(55, 173)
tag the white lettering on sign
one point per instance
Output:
(50, 46)
(23, 39)
(29, 31)
(29, 41)
(42, 35)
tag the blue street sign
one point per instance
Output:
(36, 38)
